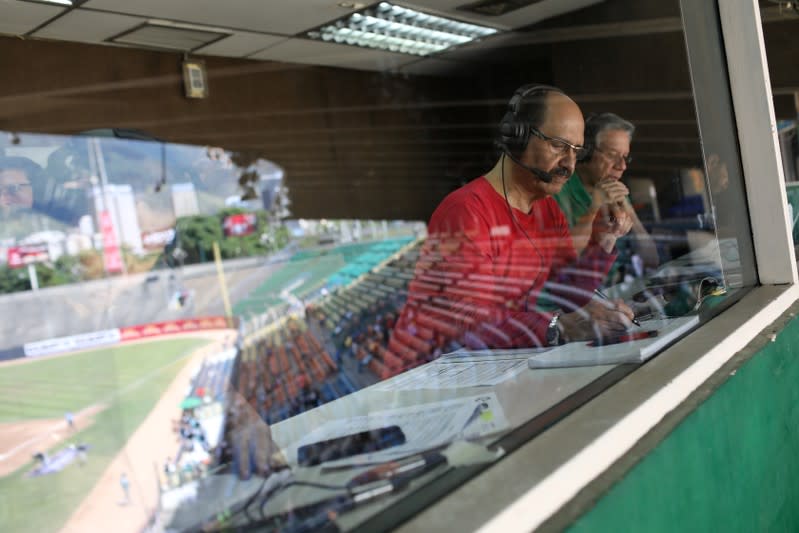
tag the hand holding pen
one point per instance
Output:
(604, 296)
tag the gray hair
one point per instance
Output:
(601, 122)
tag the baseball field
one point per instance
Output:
(109, 393)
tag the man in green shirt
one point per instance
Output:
(594, 194)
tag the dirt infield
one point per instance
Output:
(103, 508)
(20, 440)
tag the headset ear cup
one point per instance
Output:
(507, 132)
(522, 136)
(514, 132)
(590, 134)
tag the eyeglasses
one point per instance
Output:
(616, 157)
(14, 189)
(559, 146)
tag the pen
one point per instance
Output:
(392, 469)
(605, 297)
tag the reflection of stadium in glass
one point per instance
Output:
(187, 324)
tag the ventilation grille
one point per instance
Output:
(495, 8)
(169, 37)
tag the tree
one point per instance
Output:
(196, 235)
(13, 279)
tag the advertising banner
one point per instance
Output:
(20, 256)
(172, 326)
(156, 240)
(239, 225)
(111, 255)
(72, 343)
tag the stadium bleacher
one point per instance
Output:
(341, 343)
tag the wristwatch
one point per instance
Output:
(553, 331)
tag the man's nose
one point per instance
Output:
(569, 160)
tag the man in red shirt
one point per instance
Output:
(494, 244)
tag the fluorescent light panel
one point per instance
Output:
(400, 29)
(59, 2)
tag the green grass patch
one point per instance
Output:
(130, 379)
(299, 275)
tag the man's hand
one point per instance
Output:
(609, 192)
(611, 222)
(598, 318)
(620, 221)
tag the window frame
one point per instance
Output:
(551, 480)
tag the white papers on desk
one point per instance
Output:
(484, 368)
(425, 425)
(581, 354)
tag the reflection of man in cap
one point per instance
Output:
(16, 189)
(26, 202)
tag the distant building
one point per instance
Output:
(121, 204)
(184, 199)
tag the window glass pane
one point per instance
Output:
(778, 24)
(301, 268)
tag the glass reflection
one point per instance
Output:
(227, 364)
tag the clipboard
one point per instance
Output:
(579, 354)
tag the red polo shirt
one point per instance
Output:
(481, 270)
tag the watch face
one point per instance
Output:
(553, 334)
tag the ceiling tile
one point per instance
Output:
(88, 26)
(434, 67)
(473, 49)
(335, 55)
(240, 44)
(284, 17)
(18, 18)
(515, 19)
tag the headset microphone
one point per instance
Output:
(543, 175)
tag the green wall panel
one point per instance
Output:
(731, 465)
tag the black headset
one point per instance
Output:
(589, 137)
(514, 129)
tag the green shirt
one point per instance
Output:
(573, 199)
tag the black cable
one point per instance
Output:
(237, 509)
(518, 224)
(284, 486)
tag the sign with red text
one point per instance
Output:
(20, 256)
(111, 256)
(239, 225)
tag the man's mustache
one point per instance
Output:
(561, 171)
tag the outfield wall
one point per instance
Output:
(109, 337)
(14, 352)
(121, 301)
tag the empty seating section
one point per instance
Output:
(370, 256)
(361, 315)
(212, 378)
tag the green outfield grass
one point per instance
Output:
(302, 276)
(129, 379)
